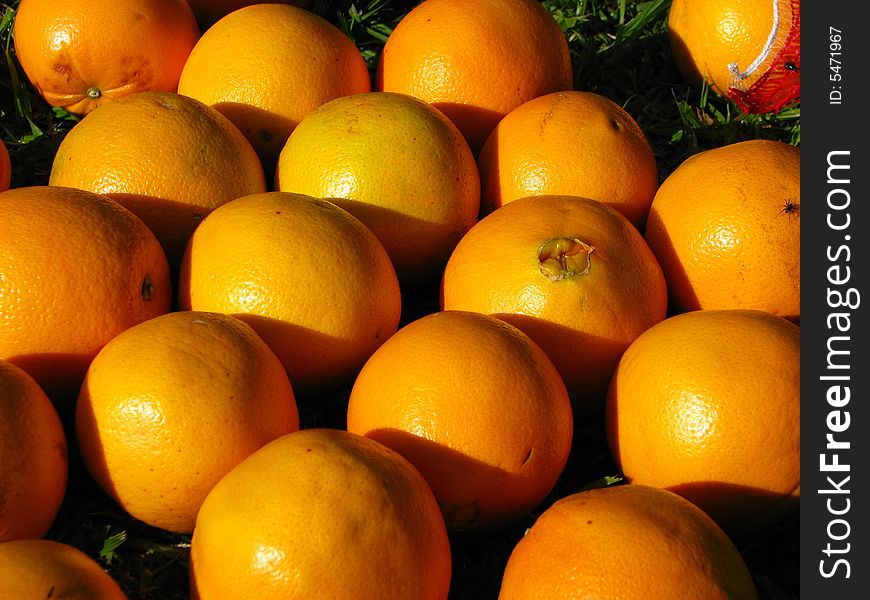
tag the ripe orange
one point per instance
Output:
(33, 457)
(321, 513)
(5, 168)
(725, 227)
(476, 406)
(170, 406)
(209, 11)
(397, 164)
(267, 66)
(476, 60)
(748, 50)
(707, 404)
(76, 270)
(574, 143)
(572, 273)
(80, 53)
(40, 569)
(308, 276)
(168, 158)
(630, 542)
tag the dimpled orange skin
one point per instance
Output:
(321, 513)
(725, 227)
(40, 569)
(575, 143)
(81, 53)
(169, 407)
(397, 164)
(5, 168)
(476, 60)
(707, 404)
(189, 160)
(76, 269)
(508, 265)
(707, 37)
(476, 406)
(630, 542)
(308, 276)
(33, 457)
(267, 66)
(209, 11)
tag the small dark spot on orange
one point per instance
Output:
(615, 124)
(277, 212)
(147, 288)
(589, 522)
(309, 449)
(50, 592)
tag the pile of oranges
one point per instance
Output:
(479, 259)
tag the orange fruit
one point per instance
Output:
(33, 457)
(572, 273)
(631, 542)
(707, 405)
(209, 11)
(188, 160)
(5, 168)
(267, 66)
(725, 227)
(76, 269)
(170, 406)
(321, 513)
(39, 569)
(476, 406)
(476, 60)
(748, 50)
(80, 53)
(308, 276)
(397, 164)
(573, 143)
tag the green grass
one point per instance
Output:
(619, 49)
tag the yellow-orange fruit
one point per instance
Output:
(707, 405)
(321, 513)
(474, 404)
(631, 542)
(725, 227)
(170, 406)
(573, 143)
(396, 163)
(76, 269)
(309, 277)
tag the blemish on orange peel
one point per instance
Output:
(564, 257)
